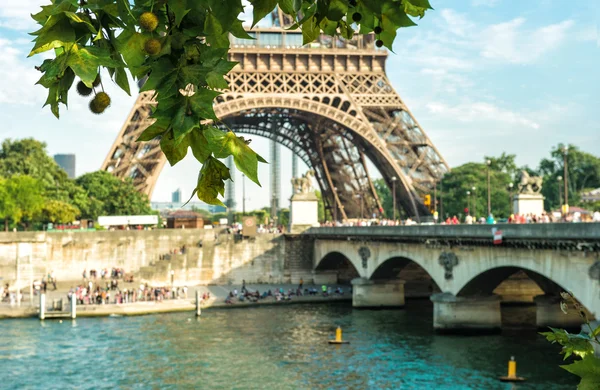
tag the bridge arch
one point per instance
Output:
(336, 261)
(551, 283)
(419, 282)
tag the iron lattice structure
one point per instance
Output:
(331, 103)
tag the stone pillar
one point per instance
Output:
(466, 314)
(377, 293)
(548, 313)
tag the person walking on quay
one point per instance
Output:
(244, 286)
(300, 284)
(84, 274)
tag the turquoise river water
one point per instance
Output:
(270, 347)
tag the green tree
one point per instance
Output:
(583, 172)
(56, 211)
(159, 40)
(455, 185)
(29, 157)
(7, 204)
(504, 163)
(284, 217)
(27, 199)
(110, 196)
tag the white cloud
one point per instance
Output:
(480, 112)
(15, 14)
(17, 77)
(510, 42)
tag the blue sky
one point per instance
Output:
(481, 76)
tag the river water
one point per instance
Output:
(270, 347)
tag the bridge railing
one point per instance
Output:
(547, 231)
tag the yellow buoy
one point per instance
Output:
(512, 372)
(338, 337)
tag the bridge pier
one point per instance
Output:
(377, 293)
(548, 313)
(454, 314)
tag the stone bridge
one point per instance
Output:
(464, 267)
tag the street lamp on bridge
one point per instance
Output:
(474, 201)
(488, 162)
(565, 151)
(510, 196)
(468, 202)
(394, 178)
(359, 196)
(559, 179)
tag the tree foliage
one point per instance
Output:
(455, 185)
(583, 172)
(23, 200)
(110, 196)
(181, 47)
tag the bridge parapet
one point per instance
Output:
(582, 237)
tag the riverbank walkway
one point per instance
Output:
(218, 294)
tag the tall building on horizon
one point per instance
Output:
(66, 162)
(176, 196)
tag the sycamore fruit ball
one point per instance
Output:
(99, 103)
(148, 21)
(152, 46)
(83, 89)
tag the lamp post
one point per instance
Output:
(474, 201)
(565, 151)
(172, 277)
(468, 202)
(559, 179)
(394, 178)
(488, 162)
(510, 188)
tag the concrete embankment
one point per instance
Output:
(167, 306)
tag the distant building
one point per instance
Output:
(591, 196)
(172, 206)
(66, 162)
(184, 219)
(176, 196)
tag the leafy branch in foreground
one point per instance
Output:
(580, 345)
(182, 46)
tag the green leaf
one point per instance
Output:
(216, 80)
(174, 149)
(199, 145)
(201, 103)
(179, 9)
(261, 8)
(337, 10)
(131, 46)
(184, 121)
(86, 60)
(287, 6)
(211, 181)
(420, 3)
(310, 31)
(78, 19)
(227, 144)
(588, 369)
(122, 80)
(159, 127)
(59, 34)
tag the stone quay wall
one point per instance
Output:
(210, 256)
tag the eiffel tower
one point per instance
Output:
(329, 102)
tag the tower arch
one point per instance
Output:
(339, 91)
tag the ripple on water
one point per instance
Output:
(268, 348)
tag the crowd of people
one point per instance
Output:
(89, 293)
(471, 220)
(280, 294)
